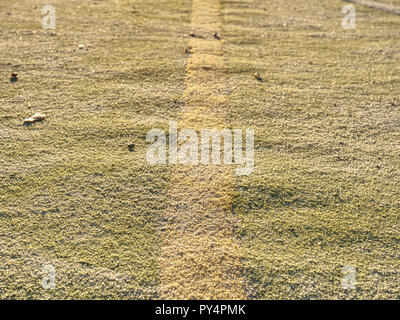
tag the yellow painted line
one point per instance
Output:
(200, 257)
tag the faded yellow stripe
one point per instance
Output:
(200, 257)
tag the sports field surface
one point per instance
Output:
(322, 205)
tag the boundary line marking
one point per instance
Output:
(200, 256)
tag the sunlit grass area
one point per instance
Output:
(71, 193)
(325, 192)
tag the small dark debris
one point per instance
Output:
(258, 77)
(193, 35)
(188, 50)
(14, 77)
(216, 36)
(206, 68)
(294, 232)
(37, 117)
(131, 147)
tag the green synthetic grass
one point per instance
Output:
(71, 193)
(325, 190)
